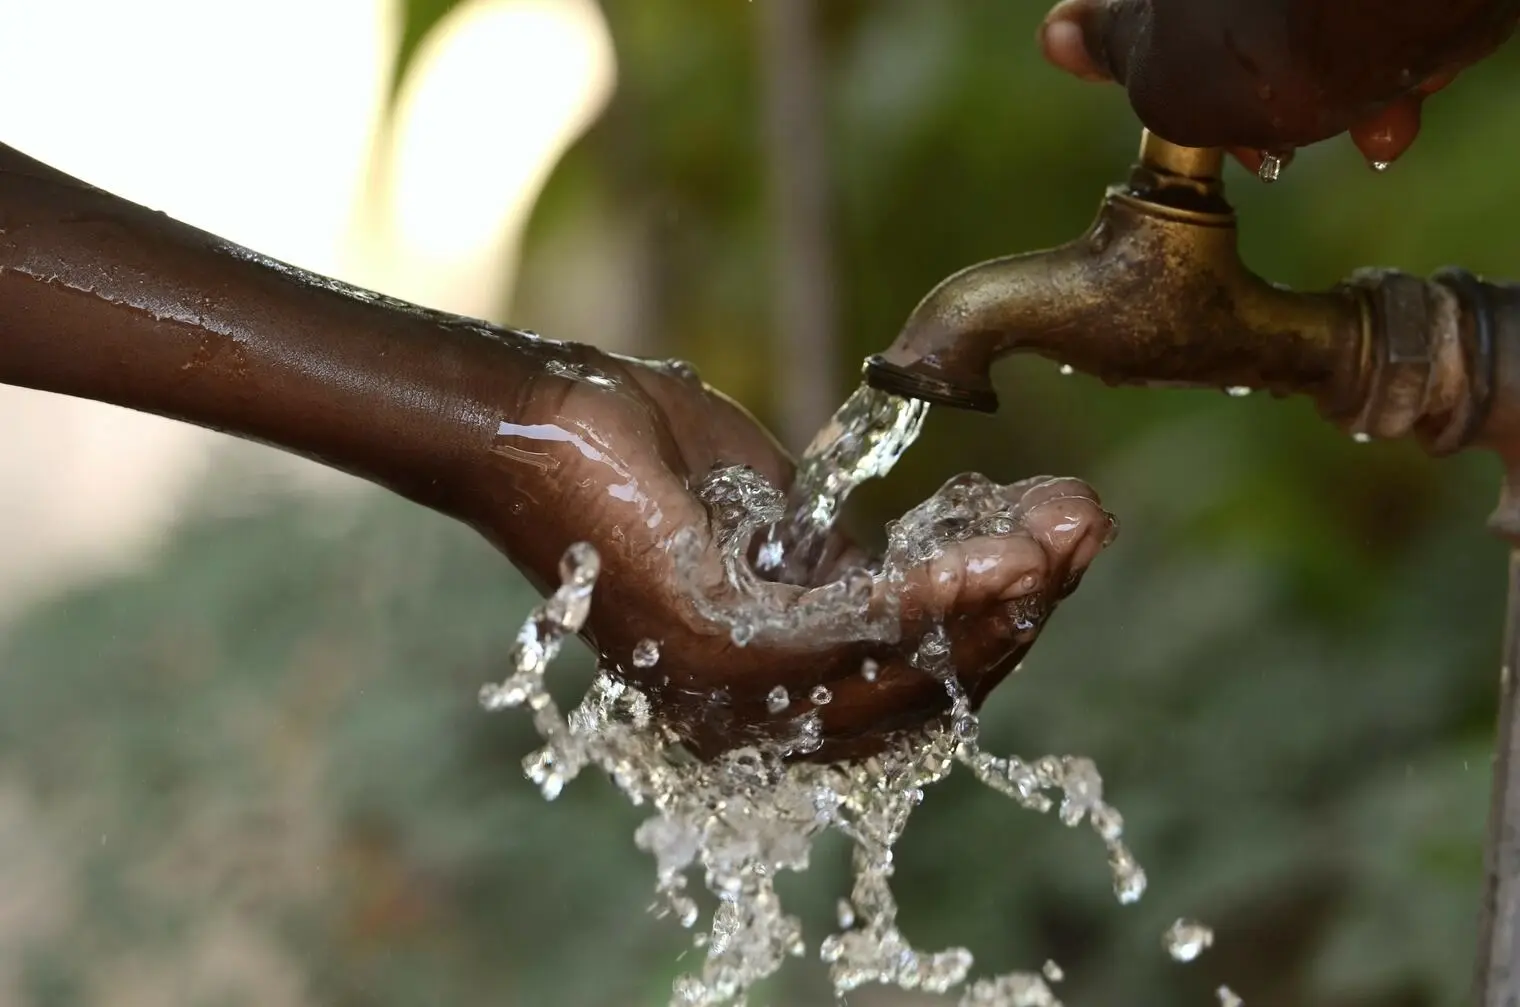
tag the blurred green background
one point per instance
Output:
(255, 772)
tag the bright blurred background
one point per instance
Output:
(240, 756)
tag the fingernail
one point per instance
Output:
(1064, 45)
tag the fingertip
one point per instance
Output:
(1064, 43)
(1250, 159)
(1437, 82)
(1385, 137)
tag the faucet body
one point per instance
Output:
(1155, 293)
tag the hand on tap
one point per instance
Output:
(1271, 75)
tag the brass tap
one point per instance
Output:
(1155, 293)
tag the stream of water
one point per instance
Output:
(733, 824)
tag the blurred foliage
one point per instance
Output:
(262, 756)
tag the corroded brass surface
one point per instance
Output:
(1154, 293)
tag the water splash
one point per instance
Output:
(1185, 940)
(863, 441)
(736, 822)
(742, 504)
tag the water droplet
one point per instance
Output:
(688, 989)
(869, 669)
(772, 555)
(1227, 997)
(1271, 168)
(1107, 822)
(1238, 391)
(845, 914)
(1129, 877)
(777, 699)
(682, 369)
(646, 654)
(809, 734)
(1066, 370)
(1185, 940)
(1362, 437)
(725, 924)
(820, 695)
(1379, 166)
(967, 728)
(1053, 972)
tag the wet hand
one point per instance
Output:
(617, 452)
(1272, 75)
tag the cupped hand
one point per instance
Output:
(617, 453)
(1261, 76)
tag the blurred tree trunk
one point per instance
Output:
(807, 364)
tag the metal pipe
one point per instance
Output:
(1498, 979)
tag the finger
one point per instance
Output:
(1027, 494)
(1250, 159)
(1072, 530)
(1385, 137)
(1057, 528)
(969, 575)
(1438, 82)
(1063, 40)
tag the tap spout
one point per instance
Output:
(1154, 293)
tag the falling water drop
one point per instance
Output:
(1271, 168)
(1053, 972)
(1379, 166)
(1185, 940)
(1362, 437)
(869, 669)
(688, 989)
(1227, 997)
(845, 914)
(777, 699)
(821, 696)
(725, 924)
(1129, 877)
(646, 654)
(1238, 391)
(1067, 370)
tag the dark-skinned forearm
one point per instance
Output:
(105, 300)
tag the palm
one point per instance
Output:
(632, 487)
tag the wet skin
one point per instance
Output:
(536, 444)
(1273, 75)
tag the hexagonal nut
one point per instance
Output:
(1402, 313)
